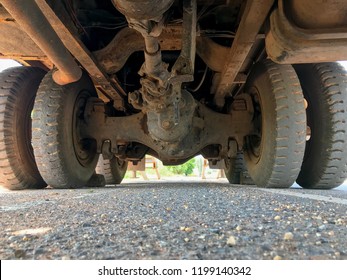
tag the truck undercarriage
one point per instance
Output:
(254, 80)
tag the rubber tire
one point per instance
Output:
(325, 160)
(283, 125)
(113, 170)
(52, 139)
(18, 87)
(234, 167)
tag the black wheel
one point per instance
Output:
(18, 88)
(274, 153)
(113, 169)
(325, 160)
(63, 157)
(234, 168)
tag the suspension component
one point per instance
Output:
(169, 111)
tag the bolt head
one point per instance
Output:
(167, 124)
(133, 96)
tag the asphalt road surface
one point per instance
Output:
(174, 220)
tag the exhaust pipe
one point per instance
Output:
(31, 19)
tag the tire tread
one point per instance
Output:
(16, 173)
(290, 129)
(333, 153)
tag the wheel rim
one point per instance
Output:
(255, 142)
(84, 148)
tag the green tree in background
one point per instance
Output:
(185, 168)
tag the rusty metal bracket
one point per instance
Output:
(242, 111)
(252, 20)
(183, 69)
(109, 88)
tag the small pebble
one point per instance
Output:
(188, 229)
(231, 241)
(288, 236)
(277, 218)
(238, 228)
(277, 258)
(26, 238)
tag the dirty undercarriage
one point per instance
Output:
(175, 79)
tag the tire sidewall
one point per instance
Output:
(261, 170)
(324, 86)
(317, 146)
(22, 122)
(18, 90)
(118, 169)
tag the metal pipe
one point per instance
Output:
(153, 59)
(31, 19)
